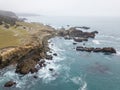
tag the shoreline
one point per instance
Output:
(36, 47)
(33, 47)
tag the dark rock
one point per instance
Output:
(55, 54)
(79, 39)
(95, 32)
(44, 64)
(10, 84)
(50, 51)
(51, 69)
(35, 77)
(88, 35)
(108, 50)
(84, 44)
(90, 49)
(49, 57)
(52, 44)
(80, 48)
(74, 43)
(41, 63)
(97, 50)
(75, 33)
(33, 70)
(84, 27)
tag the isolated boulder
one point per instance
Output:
(108, 50)
(9, 84)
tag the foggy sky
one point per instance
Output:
(64, 7)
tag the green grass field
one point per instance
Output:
(7, 38)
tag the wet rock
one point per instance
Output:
(88, 35)
(49, 57)
(79, 39)
(80, 48)
(55, 54)
(75, 33)
(52, 44)
(90, 49)
(35, 77)
(97, 50)
(10, 84)
(74, 43)
(84, 44)
(95, 32)
(34, 70)
(42, 63)
(108, 50)
(84, 27)
(50, 51)
(51, 69)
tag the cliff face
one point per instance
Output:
(32, 46)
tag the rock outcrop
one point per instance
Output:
(26, 66)
(92, 49)
(10, 84)
(77, 35)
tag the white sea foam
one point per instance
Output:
(47, 75)
(11, 75)
(54, 48)
(44, 73)
(110, 37)
(76, 80)
(84, 86)
(96, 42)
(118, 53)
(79, 81)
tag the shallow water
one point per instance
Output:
(75, 70)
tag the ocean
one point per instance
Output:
(74, 70)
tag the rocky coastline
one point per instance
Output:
(33, 48)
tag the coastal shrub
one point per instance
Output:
(8, 20)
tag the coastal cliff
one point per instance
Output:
(31, 44)
(25, 45)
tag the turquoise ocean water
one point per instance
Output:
(75, 70)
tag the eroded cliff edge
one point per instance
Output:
(23, 44)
